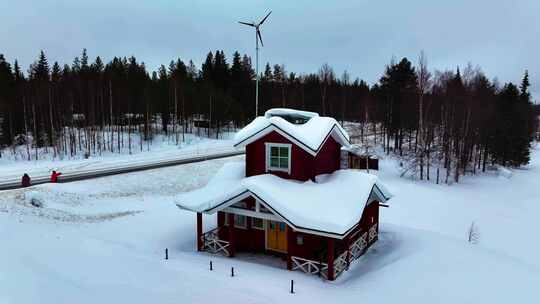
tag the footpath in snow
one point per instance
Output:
(103, 240)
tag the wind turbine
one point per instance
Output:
(257, 38)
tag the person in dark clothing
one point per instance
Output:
(26, 180)
(54, 176)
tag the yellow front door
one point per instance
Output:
(276, 236)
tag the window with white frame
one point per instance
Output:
(257, 223)
(278, 157)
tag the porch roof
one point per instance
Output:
(332, 204)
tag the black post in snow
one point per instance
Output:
(166, 253)
(211, 266)
(232, 271)
(292, 286)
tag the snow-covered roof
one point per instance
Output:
(358, 150)
(310, 133)
(332, 204)
(223, 186)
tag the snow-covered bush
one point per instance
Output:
(22, 139)
(504, 172)
(34, 198)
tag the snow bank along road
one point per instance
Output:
(133, 166)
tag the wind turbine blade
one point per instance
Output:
(260, 37)
(265, 18)
(250, 24)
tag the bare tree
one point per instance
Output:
(424, 84)
(326, 77)
(345, 81)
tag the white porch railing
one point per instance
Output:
(340, 264)
(372, 232)
(357, 248)
(309, 266)
(213, 244)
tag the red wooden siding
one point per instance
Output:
(328, 159)
(304, 166)
(247, 239)
(370, 216)
(311, 249)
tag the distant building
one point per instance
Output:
(200, 121)
(290, 197)
(78, 119)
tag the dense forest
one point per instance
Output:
(441, 124)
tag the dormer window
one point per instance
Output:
(278, 157)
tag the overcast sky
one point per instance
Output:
(361, 36)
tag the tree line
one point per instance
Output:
(450, 122)
(455, 122)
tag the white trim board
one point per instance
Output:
(268, 153)
(250, 213)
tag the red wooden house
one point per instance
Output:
(290, 197)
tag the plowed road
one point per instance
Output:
(126, 168)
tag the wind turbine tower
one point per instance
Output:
(258, 38)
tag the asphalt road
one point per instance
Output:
(82, 175)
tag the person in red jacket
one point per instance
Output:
(54, 176)
(25, 182)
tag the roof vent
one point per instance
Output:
(293, 116)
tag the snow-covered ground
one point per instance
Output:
(13, 166)
(103, 240)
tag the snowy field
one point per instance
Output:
(13, 166)
(103, 241)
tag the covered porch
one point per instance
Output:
(256, 229)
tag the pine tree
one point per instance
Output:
(84, 62)
(163, 98)
(398, 86)
(267, 75)
(98, 66)
(524, 87)
(221, 71)
(192, 70)
(249, 73)
(208, 68)
(511, 142)
(526, 112)
(41, 69)
(236, 68)
(17, 73)
(237, 75)
(56, 73)
(76, 65)
(237, 86)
